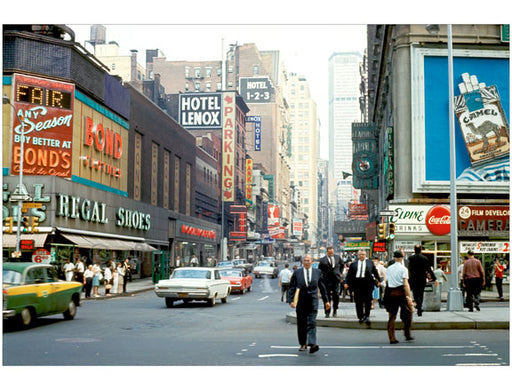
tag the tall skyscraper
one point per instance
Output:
(305, 144)
(344, 108)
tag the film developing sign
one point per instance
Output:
(482, 120)
(256, 89)
(200, 110)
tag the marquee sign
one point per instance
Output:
(45, 108)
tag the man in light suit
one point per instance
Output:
(307, 281)
(331, 267)
(362, 276)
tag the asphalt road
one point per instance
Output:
(249, 331)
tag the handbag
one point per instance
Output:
(108, 286)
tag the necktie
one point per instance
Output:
(308, 278)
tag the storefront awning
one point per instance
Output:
(83, 241)
(9, 240)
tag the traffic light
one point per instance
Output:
(8, 222)
(382, 231)
(391, 232)
(25, 221)
(34, 225)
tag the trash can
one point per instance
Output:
(432, 297)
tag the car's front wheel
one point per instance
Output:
(225, 299)
(211, 301)
(70, 313)
(26, 317)
(169, 302)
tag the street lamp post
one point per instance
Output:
(20, 192)
(454, 294)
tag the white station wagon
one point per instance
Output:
(194, 284)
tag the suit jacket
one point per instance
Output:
(368, 281)
(331, 275)
(419, 267)
(308, 295)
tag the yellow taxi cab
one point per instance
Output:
(32, 290)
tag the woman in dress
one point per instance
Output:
(120, 273)
(96, 279)
(115, 279)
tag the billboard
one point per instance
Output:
(200, 110)
(45, 108)
(482, 108)
(228, 146)
(256, 89)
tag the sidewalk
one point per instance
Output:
(487, 318)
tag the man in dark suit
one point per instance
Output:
(362, 276)
(330, 265)
(419, 267)
(307, 281)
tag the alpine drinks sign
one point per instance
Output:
(200, 110)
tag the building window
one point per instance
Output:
(154, 174)
(208, 72)
(197, 86)
(188, 188)
(255, 69)
(197, 72)
(187, 71)
(113, 67)
(208, 86)
(186, 87)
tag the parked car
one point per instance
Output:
(225, 264)
(194, 284)
(33, 290)
(243, 264)
(266, 268)
(239, 279)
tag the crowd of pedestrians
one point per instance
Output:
(114, 276)
(398, 286)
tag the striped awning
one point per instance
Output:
(9, 240)
(83, 241)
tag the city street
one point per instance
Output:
(250, 330)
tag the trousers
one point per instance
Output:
(396, 300)
(306, 326)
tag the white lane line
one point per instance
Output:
(470, 354)
(279, 355)
(235, 299)
(265, 297)
(478, 364)
(379, 346)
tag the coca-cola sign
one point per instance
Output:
(438, 220)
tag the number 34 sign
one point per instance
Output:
(41, 256)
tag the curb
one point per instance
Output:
(464, 323)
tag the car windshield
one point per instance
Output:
(264, 264)
(190, 273)
(225, 263)
(11, 277)
(236, 274)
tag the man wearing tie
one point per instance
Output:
(362, 276)
(306, 281)
(330, 265)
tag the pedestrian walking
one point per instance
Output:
(88, 275)
(115, 279)
(284, 281)
(79, 271)
(397, 295)
(120, 277)
(419, 271)
(330, 266)
(69, 270)
(362, 276)
(440, 276)
(474, 279)
(498, 277)
(305, 284)
(108, 279)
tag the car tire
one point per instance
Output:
(169, 302)
(211, 302)
(225, 299)
(70, 313)
(249, 288)
(244, 290)
(26, 317)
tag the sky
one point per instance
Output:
(304, 48)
